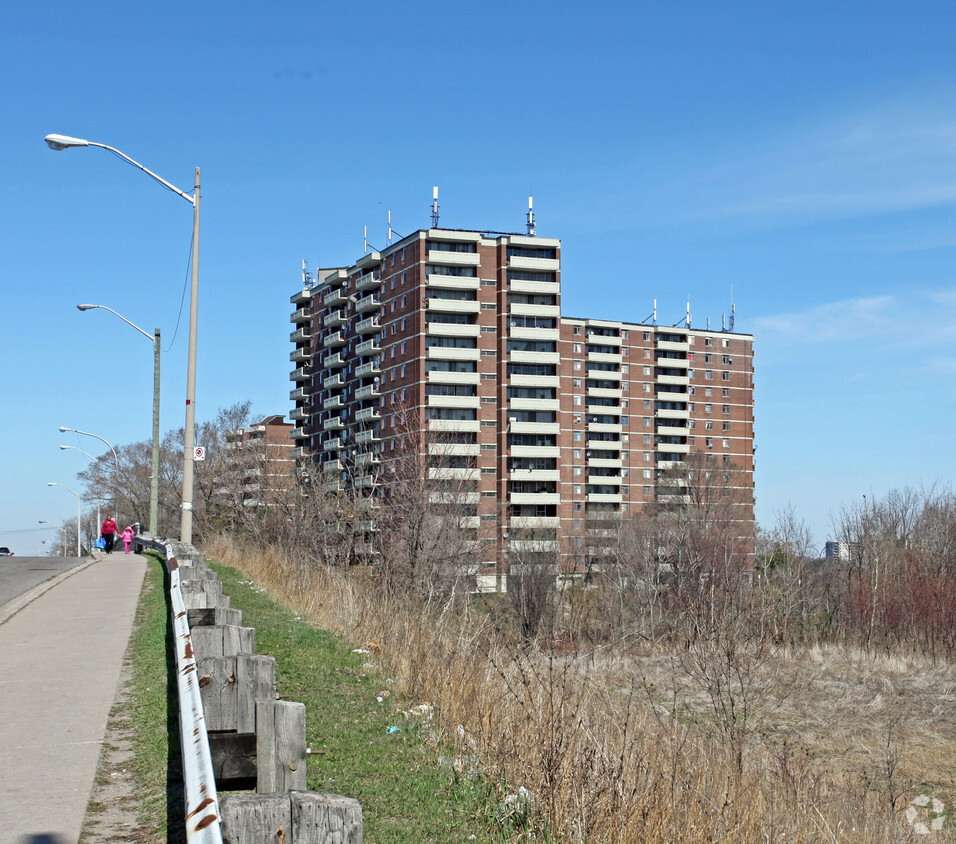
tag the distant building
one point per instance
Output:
(554, 426)
(842, 551)
(261, 455)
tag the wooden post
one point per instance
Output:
(256, 818)
(325, 817)
(204, 616)
(223, 640)
(230, 685)
(280, 746)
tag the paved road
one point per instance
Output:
(61, 650)
(21, 574)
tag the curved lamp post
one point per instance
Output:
(95, 436)
(51, 483)
(60, 142)
(154, 477)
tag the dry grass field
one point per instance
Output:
(731, 740)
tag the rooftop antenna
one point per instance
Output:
(707, 323)
(365, 235)
(389, 226)
(723, 321)
(435, 207)
(688, 313)
(530, 216)
(307, 281)
(733, 308)
(653, 317)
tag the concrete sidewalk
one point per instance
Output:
(60, 660)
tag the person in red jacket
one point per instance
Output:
(108, 533)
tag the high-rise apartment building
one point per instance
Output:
(545, 429)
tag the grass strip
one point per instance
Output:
(406, 796)
(154, 709)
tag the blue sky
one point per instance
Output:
(796, 159)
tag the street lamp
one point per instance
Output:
(95, 436)
(52, 483)
(60, 142)
(96, 460)
(154, 479)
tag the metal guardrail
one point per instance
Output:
(203, 819)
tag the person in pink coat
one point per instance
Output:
(128, 537)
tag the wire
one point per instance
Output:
(182, 300)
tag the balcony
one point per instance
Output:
(299, 453)
(300, 355)
(367, 303)
(535, 522)
(367, 281)
(303, 297)
(603, 498)
(332, 466)
(366, 370)
(451, 306)
(534, 498)
(369, 391)
(451, 353)
(334, 381)
(301, 315)
(602, 410)
(441, 376)
(667, 413)
(299, 394)
(671, 346)
(333, 423)
(535, 451)
(333, 401)
(679, 380)
(535, 474)
(335, 318)
(298, 434)
(300, 374)
(603, 445)
(454, 282)
(534, 427)
(336, 338)
(334, 361)
(453, 401)
(370, 436)
(534, 404)
(368, 348)
(368, 414)
(369, 325)
(334, 297)
(301, 335)
(519, 262)
(452, 329)
(369, 458)
(604, 357)
(333, 444)
(524, 332)
(453, 425)
(552, 358)
(299, 413)
(443, 449)
(455, 259)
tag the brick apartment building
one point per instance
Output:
(548, 426)
(261, 456)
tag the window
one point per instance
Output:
(487, 446)
(625, 420)
(578, 401)
(647, 335)
(725, 375)
(576, 366)
(647, 388)
(647, 439)
(577, 453)
(625, 334)
(708, 408)
(488, 423)
(577, 436)
(647, 474)
(577, 471)
(725, 408)
(403, 300)
(725, 392)
(403, 348)
(708, 391)
(577, 506)
(725, 343)
(647, 421)
(487, 329)
(726, 442)
(708, 442)
(576, 347)
(487, 470)
(577, 489)
(725, 425)
(725, 458)
(708, 341)
(647, 370)
(576, 382)
(647, 404)
(647, 490)
(487, 353)
(488, 376)
(577, 329)
(727, 360)
(708, 374)
(708, 425)
(692, 390)
(707, 358)
(647, 353)
(487, 306)
(647, 457)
